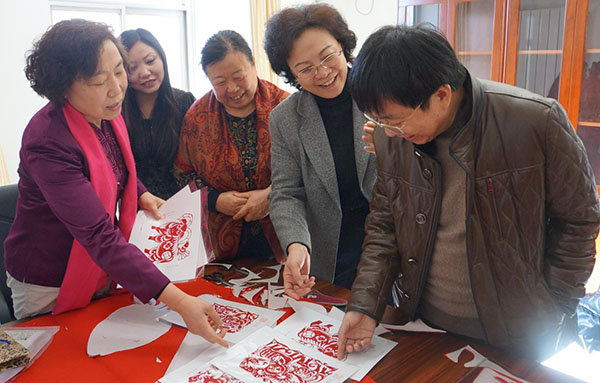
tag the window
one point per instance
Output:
(165, 19)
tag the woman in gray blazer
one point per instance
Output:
(322, 179)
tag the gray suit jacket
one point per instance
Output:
(304, 201)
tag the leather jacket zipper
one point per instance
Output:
(430, 240)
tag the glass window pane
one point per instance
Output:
(474, 34)
(541, 30)
(429, 13)
(589, 103)
(111, 17)
(169, 29)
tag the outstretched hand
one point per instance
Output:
(201, 319)
(199, 316)
(296, 280)
(355, 333)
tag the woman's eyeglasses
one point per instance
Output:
(311, 70)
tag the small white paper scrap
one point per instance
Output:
(269, 356)
(416, 326)
(320, 332)
(126, 328)
(173, 243)
(239, 319)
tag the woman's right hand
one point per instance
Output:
(369, 129)
(296, 280)
(199, 316)
(230, 203)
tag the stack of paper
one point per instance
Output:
(303, 348)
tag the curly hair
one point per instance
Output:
(287, 25)
(68, 51)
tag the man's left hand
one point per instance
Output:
(355, 333)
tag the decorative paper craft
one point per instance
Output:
(268, 356)
(198, 371)
(320, 333)
(481, 361)
(127, 328)
(194, 347)
(239, 319)
(174, 243)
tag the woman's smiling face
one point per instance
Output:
(310, 49)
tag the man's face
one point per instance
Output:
(417, 125)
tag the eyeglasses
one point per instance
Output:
(396, 128)
(329, 61)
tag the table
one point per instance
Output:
(418, 357)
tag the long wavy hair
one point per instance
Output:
(164, 114)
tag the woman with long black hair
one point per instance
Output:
(153, 111)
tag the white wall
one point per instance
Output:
(363, 16)
(21, 23)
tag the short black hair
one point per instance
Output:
(68, 51)
(222, 43)
(403, 64)
(287, 25)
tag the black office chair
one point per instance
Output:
(8, 204)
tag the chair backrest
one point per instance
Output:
(8, 204)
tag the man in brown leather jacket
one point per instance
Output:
(485, 210)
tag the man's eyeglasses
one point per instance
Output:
(395, 128)
(311, 70)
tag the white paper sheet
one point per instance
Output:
(269, 356)
(575, 361)
(336, 313)
(239, 319)
(126, 328)
(198, 371)
(174, 243)
(194, 347)
(320, 333)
